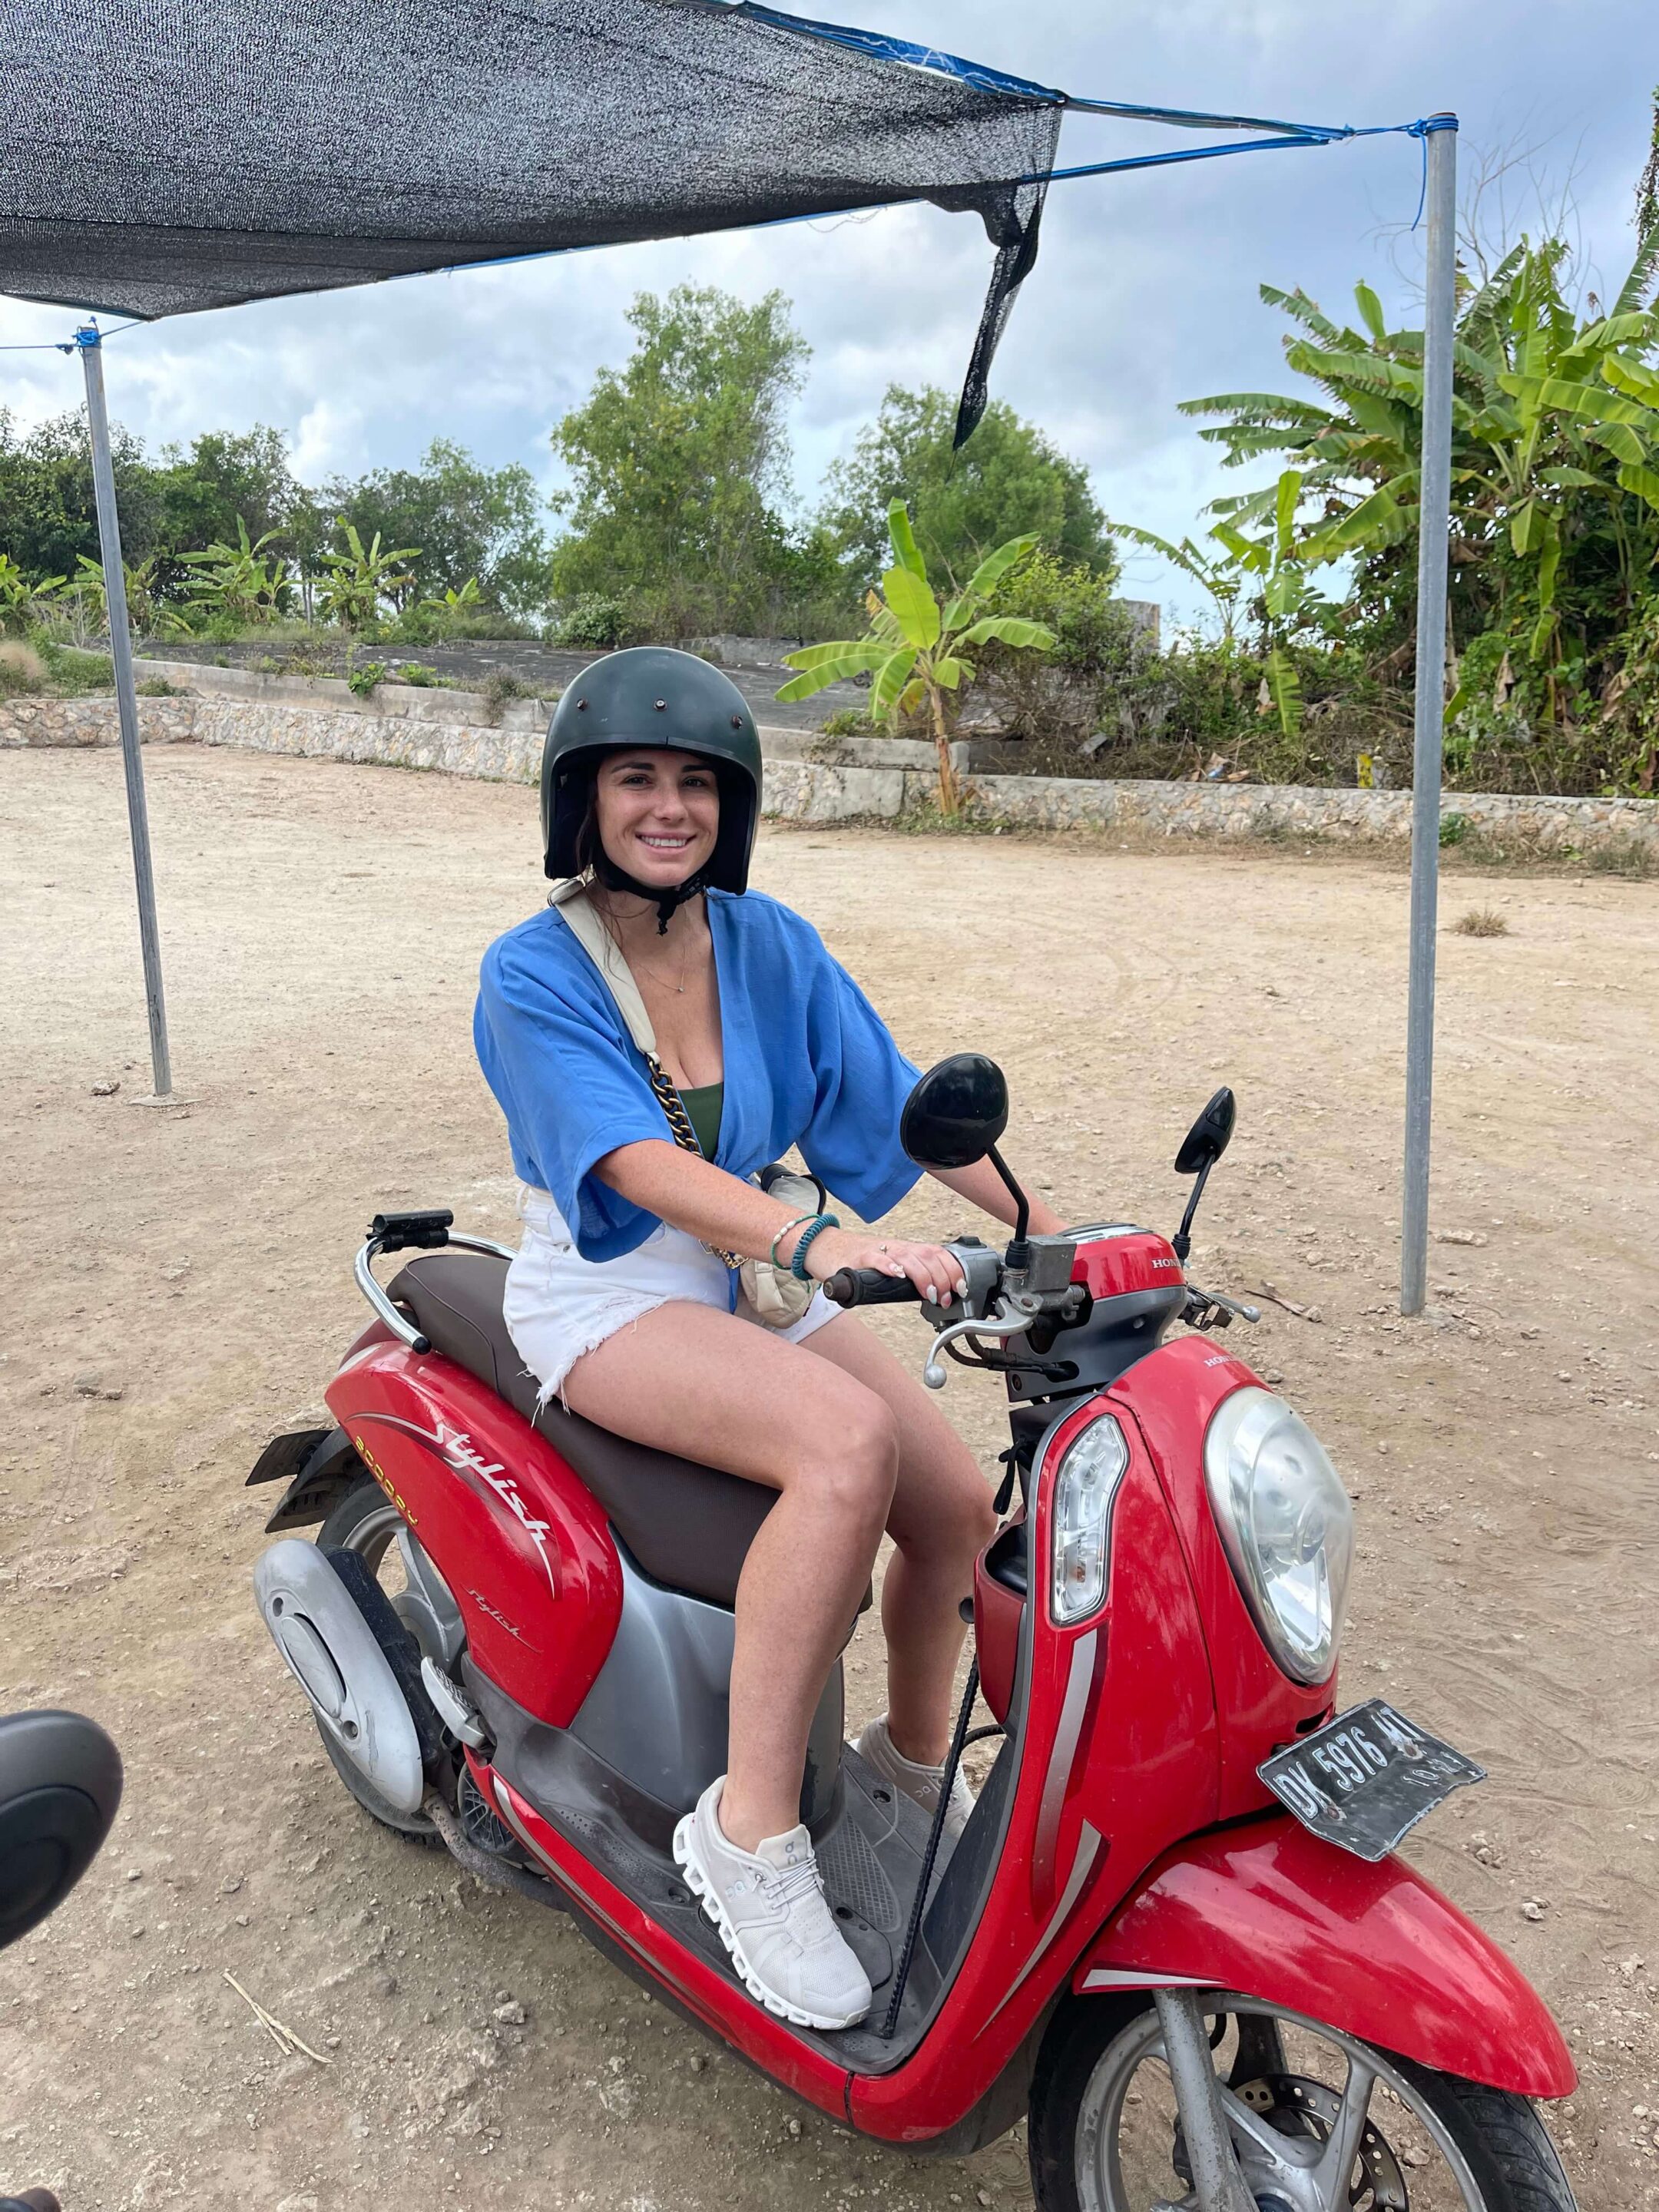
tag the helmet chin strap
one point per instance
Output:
(667, 900)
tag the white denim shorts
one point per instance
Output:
(558, 1305)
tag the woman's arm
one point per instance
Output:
(718, 1209)
(981, 1185)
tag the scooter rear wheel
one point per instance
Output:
(1105, 2136)
(365, 1523)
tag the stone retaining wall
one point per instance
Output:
(864, 779)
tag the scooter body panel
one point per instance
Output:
(1118, 1759)
(1274, 1912)
(521, 1542)
(1172, 1396)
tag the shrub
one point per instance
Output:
(498, 689)
(71, 671)
(1482, 921)
(595, 621)
(365, 680)
(423, 677)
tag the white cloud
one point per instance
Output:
(1145, 293)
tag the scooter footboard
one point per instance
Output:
(1270, 1911)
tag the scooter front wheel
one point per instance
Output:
(1105, 2135)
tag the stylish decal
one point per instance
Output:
(454, 1447)
(500, 1618)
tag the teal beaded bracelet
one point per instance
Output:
(814, 1227)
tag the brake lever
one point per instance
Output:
(1233, 1308)
(1003, 1325)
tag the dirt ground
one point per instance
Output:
(178, 1286)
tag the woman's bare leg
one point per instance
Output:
(688, 1379)
(941, 1520)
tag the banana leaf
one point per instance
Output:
(911, 602)
(890, 679)
(907, 552)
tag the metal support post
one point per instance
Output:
(1434, 518)
(126, 701)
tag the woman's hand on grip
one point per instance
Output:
(936, 1272)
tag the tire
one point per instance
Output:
(1437, 2139)
(363, 1521)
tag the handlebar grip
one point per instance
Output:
(866, 1287)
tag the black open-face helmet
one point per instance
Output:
(651, 694)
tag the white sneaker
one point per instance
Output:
(876, 1746)
(769, 1906)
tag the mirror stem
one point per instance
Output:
(1023, 1216)
(1182, 1240)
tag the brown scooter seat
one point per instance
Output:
(688, 1526)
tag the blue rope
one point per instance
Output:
(1295, 134)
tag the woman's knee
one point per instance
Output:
(857, 1456)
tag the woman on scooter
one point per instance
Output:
(625, 1301)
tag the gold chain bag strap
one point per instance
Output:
(777, 1297)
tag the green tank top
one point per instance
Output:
(702, 1110)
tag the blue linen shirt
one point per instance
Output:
(808, 1061)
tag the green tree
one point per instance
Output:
(48, 517)
(226, 478)
(913, 650)
(678, 460)
(470, 522)
(1009, 478)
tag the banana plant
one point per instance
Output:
(23, 598)
(1290, 600)
(913, 651)
(353, 583)
(1550, 449)
(452, 601)
(146, 611)
(242, 582)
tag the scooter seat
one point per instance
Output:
(689, 1527)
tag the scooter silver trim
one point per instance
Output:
(400, 1325)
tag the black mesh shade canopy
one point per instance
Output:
(163, 156)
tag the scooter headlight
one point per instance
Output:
(1084, 1486)
(1286, 1525)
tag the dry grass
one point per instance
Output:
(1482, 921)
(22, 668)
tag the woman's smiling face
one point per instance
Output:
(658, 813)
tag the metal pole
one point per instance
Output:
(1434, 522)
(126, 699)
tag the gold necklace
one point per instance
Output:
(615, 935)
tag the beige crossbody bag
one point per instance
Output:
(775, 1295)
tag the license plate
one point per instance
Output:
(1367, 1778)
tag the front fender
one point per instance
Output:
(1270, 1911)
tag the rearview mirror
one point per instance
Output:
(1209, 1136)
(956, 1114)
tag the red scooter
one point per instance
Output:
(1172, 1933)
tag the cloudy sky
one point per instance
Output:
(1145, 295)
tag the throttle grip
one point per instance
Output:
(867, 1286)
